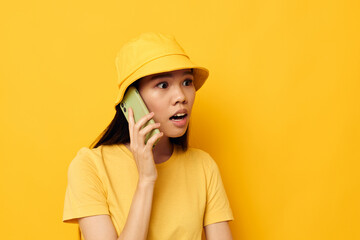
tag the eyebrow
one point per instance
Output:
(167, 75)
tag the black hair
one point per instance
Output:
(117, 132)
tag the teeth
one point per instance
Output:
(178, 117)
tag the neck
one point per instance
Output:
(163, 150)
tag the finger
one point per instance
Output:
(153, 139)
(131, 123)
(131, 116)
(143, 120)
(149, 128)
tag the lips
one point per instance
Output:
(179, 115)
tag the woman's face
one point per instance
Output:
(170, 96)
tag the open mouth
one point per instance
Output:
(178, 117)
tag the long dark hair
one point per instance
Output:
(118, 132)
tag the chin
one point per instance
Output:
(176, 134)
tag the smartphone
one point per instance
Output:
(133, 99)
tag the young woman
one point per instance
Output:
(123, 188)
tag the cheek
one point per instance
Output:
(191, 98)
(156, 105)
(158, 110)
(151, 100)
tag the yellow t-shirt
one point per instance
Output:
(188, 194)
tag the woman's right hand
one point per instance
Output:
(142, 152)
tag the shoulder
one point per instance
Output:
(196, 152)
(86, 154)
(96, 158)
(201, 156)
(85, 159)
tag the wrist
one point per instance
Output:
(146, 182)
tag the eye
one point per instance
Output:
(162, 85)
(188, 82)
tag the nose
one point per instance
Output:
(179, 96)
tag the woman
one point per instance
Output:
(126, 189)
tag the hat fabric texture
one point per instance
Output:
(153, 53)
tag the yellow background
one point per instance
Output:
(279, 113)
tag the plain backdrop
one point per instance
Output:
(279, 113)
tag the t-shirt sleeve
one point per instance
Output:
(217, 204)
(85, 195)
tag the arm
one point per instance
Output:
(137, 223)
(218, 231)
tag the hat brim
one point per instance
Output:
(165, 64)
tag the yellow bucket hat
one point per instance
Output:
(152, 53)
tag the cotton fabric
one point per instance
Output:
(188, 194)
(151, 53)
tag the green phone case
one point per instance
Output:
(133, 99)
